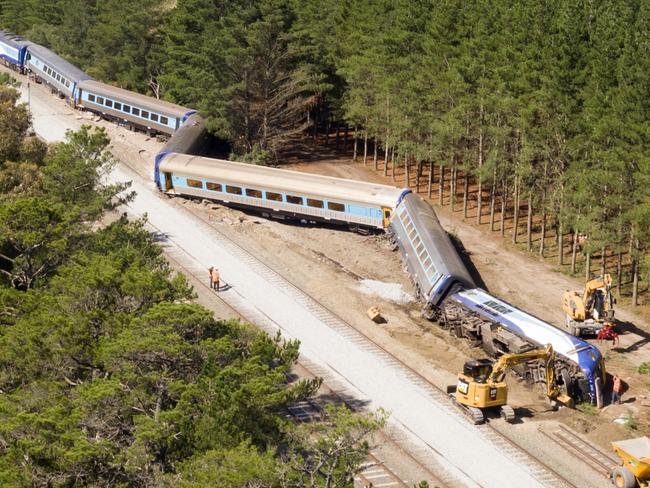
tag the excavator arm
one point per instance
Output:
(506, 361)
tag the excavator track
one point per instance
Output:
(476, 414)
(507, 413)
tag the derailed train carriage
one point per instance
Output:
(277, 193)
(450, 296)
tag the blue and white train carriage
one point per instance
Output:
(13, 50)
(279, 193)
(55, 71)
(502, 328)
(133, 109)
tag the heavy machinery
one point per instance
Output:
(588, 313)
(634, 469)
(482, 384)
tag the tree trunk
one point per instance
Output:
(338, 136)
(619, 272)
(345, 137)
(452, 186)
(587, 266)
(574, 251)
(441, 184)
(418, 175)
(356, 143)
(504, 194)
(493, 199)
(374, 157)
(529, 223)
(635, 274)
(465, 193)
(560, 243)
(365, 148)
(392, 162)
(406, 170)
(542, 234)
(328, 127)
(515, 216)
(603, 260)
(386, 150)
(430, 179)
(479, 176)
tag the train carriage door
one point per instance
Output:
(386, 220)
(168, 181)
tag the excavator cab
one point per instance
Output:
(478, 369)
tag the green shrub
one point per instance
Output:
(644, 368)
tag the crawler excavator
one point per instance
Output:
(482, 384)
(587, 314)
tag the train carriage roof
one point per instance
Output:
(57, 63)
(286, 181)
(13, 40)
(142, 101)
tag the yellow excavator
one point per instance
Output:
(482, 384)
(587, 314)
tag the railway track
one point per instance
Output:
(374, 473)
(575, 444)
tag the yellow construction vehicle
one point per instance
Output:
(588, 313)
(482, 383)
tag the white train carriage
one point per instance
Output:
(280, 193)
(588, 378)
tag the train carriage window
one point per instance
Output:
(426, 263)
(154, 117)
(213, 186)
(314, 203)
(67, 84)
(145, 114)
(58, 78)
(91, 98)
(100, 100)
(233, 190)
(194, 183)
(118, 106)
(251, 192)
(165, 121)
(109, 103)
(295, 200)
(135, 111)
(337, 207)
(276, 197)
(126, 108)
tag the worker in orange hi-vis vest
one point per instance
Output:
(214, 276)
(210, 276)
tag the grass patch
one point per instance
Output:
(644, 368)
(587, 408)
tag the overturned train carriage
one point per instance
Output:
(450, 296)
(428, 253)
(500, 328)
